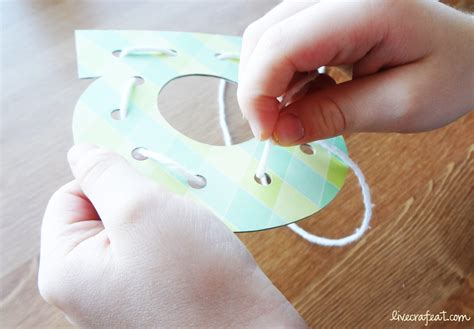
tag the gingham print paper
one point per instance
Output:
(301, 184)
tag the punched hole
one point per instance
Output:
(137, 155)
(265, 180)
(307, 149)
(199, 184)
(139, 80)
(115, 114)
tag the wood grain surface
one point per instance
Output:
(417, 256)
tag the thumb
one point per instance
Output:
(373, 103)
(118, 192)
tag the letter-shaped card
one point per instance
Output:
(301, 184)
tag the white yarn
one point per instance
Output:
(365, 197)
(344, 158)
(142, 50)
(224, 56)
(222, 114)
(194, 180)
(130, 84)
(262, 166)
(173, 166)
(221, 99)
(125, 98)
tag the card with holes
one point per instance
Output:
(119, 111)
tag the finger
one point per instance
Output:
(255, 30)
(71, 203)
(373, 103)
(305, 41)
(117, 191)
(321, 82)
(69, 217)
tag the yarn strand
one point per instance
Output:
(262, 167)
(172, 166)
(127, 90)
(225, 56)
(365, 197)
(286, 99)
(222, 113)
(147, 50)
(193, 179)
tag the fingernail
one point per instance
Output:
(288, 129)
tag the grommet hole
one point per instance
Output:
(139, 80)
(307, 149)
(200, 183)
(136, 152)
(265, 180)
(115, 114)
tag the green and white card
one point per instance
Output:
(301, 184)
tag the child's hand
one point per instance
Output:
(413, 65)
(119, 251)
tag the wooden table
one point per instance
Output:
(417, 256)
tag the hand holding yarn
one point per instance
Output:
(119, 251)
(412, 64)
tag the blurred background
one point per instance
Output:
(417, 256)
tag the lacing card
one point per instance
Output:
(119, 111)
